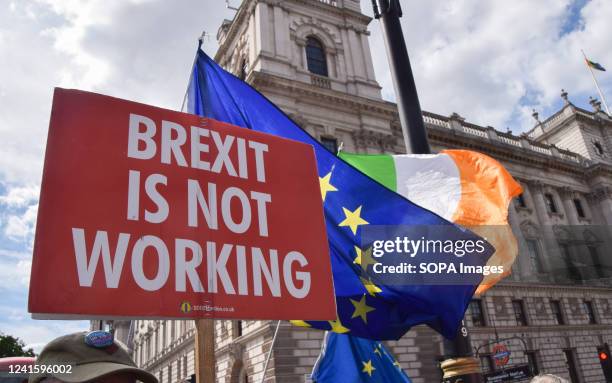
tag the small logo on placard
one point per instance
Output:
(99, 339)
(186, 307)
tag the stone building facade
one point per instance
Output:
(312, 58)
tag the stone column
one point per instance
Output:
(356, 54)
(580, 252)
(605, 203)
(365, 47)
(601, 200)
(567, 196)
(551, 248)
(264, 34)
(522, 264)
(281, 33)
(301, 53)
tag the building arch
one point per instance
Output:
(302, 30)
(316, 57)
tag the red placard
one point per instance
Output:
(146, 212)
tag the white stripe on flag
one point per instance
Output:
(431, 181)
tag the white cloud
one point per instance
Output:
(12, 254)
(21, 227)
(20, 196)
(138, 49)
(14, 274)
(492, 61)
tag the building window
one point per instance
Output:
(594, 254)
(598, 148)
(519, 312)
(169, 373)
(550, 203)
(330, 143)
(520, 201)
(579, 209)
(570, 361)
(572, 270)
(238, 332)
(178, 369)
(534, 255)
(486, 363)
(163, 336)
(556, 310)
(477, 313)
(148, 348)
(588, 307)
(315, 56)
(532, 361)
(244, 67)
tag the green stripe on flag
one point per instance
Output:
(380, 167)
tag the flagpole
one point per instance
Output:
(265, 369)
(601, 95)
(460, 364)
(408, 106)
(195, 58)
(205, 359)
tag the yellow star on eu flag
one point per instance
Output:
(367, 367)
(364, 258)
(326, 186)
(377, 351)
(300, 323)
(361, 309)
(370, 286)
(353, 219)
(396, 364)
(336, 326)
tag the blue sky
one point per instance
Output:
(491, 61)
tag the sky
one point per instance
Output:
(491, 61)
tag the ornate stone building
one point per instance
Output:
(312, 58)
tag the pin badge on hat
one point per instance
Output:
(99, 339)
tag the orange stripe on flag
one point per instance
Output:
(486, 191)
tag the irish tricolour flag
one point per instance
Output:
(466, 187)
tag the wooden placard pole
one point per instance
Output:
(205, 351)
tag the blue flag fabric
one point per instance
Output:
(351, 200)
(350, 359)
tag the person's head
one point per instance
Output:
(93, 357)
(548, 378)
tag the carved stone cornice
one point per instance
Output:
(389, 142)
(365, 138)
(536, 186)
(599, 194)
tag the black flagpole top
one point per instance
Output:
(408, 106)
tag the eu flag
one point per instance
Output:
(346, 358)
(351, 200)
